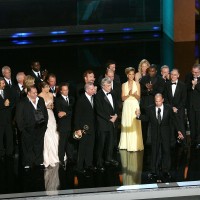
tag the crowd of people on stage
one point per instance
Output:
(101, 116)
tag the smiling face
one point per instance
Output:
(131, 75)
(7, 73)
(174, 75)
(196, 72)
(158, 100)
(32, 94)
(64, 90)
(89, 78)
(152, 72)
(36, 66)
(52, 81)
(107, 87)
(2, 85)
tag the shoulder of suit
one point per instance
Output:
(152, 106)
(167, 106)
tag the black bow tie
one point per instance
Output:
(108, 93)
(173, 83)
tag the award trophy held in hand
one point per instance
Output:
(79, 133)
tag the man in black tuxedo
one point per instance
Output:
(151, 84)
(193, 103)
(116, 89)
(159, 115)
(64, 110)
(53, 88)
(107, 112)
(175, 94)
(10, 86)
(19, 88)
(6, 133)
(85, 119)
(32, 127)
(37, 74)
(6, 72)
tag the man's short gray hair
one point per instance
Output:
(4, 68)
(105, 80)
(19, 74)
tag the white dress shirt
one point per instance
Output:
(110, 99)
(161, 112)
(174, 88)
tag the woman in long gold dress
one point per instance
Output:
(131, 131)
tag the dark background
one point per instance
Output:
(47, 13)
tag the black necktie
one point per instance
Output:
(173, 83)
(108, 93)
(159, 116)
(9, 83)
(38, 75)
(67, 100)
(91, 100)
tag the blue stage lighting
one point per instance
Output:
(21, 35)
(22, 42)
(156, 28)
(58, 32)
(88, 31)
(127, 37)
(58, 40)
(156, 35)
(101, 30)
(127, 29)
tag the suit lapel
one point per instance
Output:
(177, 89)
(106, 99)
(170, 90)
(154, 112)
(87, 100)
(164, 113)
(64, 101)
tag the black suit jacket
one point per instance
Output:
(104, 110)
(164, 129)
(25, 114)
(19, 93)
(160, 134)
(147, 97)
(193, 95)
(12, 93)
(5, 111)
(84, 115)
(64, 123)
(117, 91)
(179, 98)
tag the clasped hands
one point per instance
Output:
(113, 118)
(180, 135)
(130, 93)
(62, 114)
(79, 133)
(6, 103)
(50, 106)
(149, 86)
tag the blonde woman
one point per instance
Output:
(142, 69)
(28, 82)
(131, 132)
